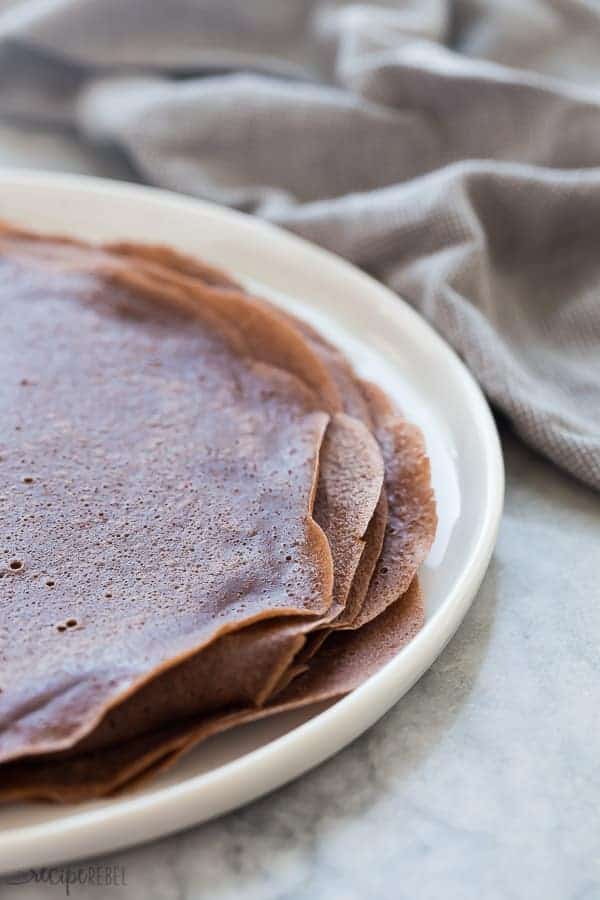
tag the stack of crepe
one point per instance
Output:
(207, 517)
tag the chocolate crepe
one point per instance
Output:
(349, 659)
(166, 302)
(159, 483)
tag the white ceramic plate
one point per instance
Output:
(388, 342)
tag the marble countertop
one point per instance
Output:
(483, 782)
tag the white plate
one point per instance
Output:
(388, 342)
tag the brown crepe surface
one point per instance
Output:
(158, 485)
(403, 526)
(348, 493)
(404, 522)
(412, 518)
(347, 661)
(247, 666)
(337, 508)
(409, 506)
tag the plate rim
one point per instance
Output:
(199, 798)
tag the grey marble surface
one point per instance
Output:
(483, 782)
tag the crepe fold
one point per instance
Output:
(209, 517)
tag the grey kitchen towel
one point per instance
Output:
(451, 149)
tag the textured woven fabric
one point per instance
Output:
(452, 150)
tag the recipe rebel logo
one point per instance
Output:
(69, 877)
